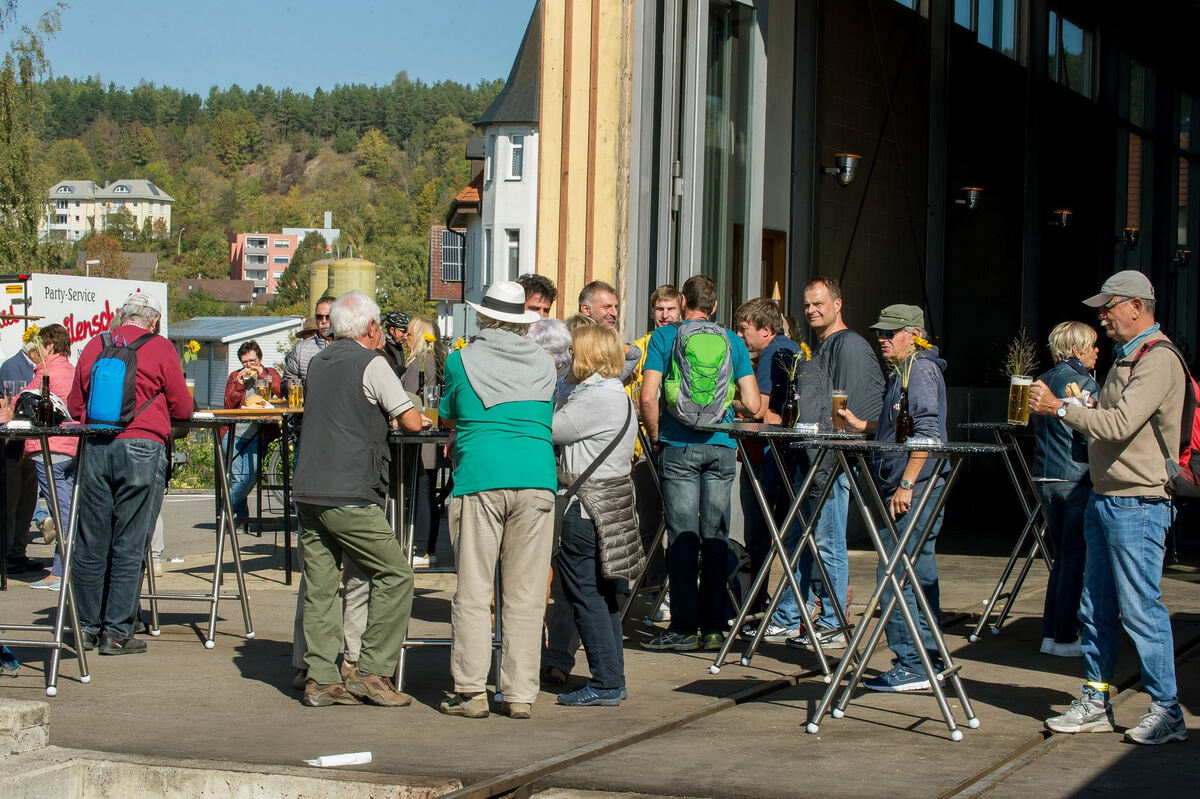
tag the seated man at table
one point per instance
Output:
(902, 477)
(121, 486)
(341, 487)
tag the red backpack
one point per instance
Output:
(1183, 477)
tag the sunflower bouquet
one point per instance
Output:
(904, 365)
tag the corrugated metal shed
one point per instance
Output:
(220, 337)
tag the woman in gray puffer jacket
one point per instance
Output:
(599, 529)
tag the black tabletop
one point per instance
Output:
(764, 430)
(1003, 427)
(942, 448)
(423, 437)
(69, 429)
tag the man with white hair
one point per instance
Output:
(498, 400)
(341, 488)
(121, 490)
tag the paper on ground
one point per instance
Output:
(348, 759)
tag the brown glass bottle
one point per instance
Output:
(904, 420)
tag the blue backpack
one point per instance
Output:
(112, 391)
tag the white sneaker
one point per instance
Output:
(424, 560)
(1047, 646)
(664, 610)
(1070, 650)
(774, 633)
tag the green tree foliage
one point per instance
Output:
(373, 153)
(140, 145)
(23, 176)
(344, 141)
(121, 225)
(68, 159)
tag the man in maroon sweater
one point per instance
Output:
(122, 482)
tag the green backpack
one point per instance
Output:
(699, 385)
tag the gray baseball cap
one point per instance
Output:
(1128, 283)
(895, 317)
(144, 299)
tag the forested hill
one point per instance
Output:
(386, 160)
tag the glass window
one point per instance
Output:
(282, 244)
(514, 254)
(489, 165)
(1186, 106)
(452, 257)
(280, 259)
(962, 13)
(1140, 112)
(517, 165)
(1071, 55)
(487, 256)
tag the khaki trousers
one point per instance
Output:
(365, 537)
(515, 528)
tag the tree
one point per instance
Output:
(344, 141)
(23, 181)
(372, 156)
(107, 251)
(121, 225)
(140, 145)
(68, 159)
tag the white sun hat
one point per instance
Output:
(505, 302)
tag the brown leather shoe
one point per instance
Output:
(471, 707)
(516, 710)
(375, 689)
(316, 695)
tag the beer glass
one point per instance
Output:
(262, 387)
(839, 403)
(191, 386)
(431, 396)
(295, 394)
(1018, 399)
(12, 389)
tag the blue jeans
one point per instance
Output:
(593, 598)
(1064, 503)
(925, 565)
(64, 485)
(120, 494)
(244, 474)
(697, 482)
(1125, 546)
(830, 534)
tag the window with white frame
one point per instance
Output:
(282, 244)
(513, 243)
(281, 259)
(489, 158)
(452, 257)
(516, 166)
(487, 256)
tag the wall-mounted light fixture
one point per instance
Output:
(846, 169)
(1132, 235)
(970, 197)
(1061, 217)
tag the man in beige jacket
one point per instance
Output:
(1129, 511)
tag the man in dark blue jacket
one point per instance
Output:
(915, 380)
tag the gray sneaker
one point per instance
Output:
(1159, 726)
(1084, 715)
(829, 640)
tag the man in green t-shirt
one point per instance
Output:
(498, 399)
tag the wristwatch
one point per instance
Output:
(1061, 411)
(907, 485)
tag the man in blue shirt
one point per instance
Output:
(696, 470)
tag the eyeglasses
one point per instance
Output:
(322, 315)
(1113, 304)
(886, 333)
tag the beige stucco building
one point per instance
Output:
(78, 207)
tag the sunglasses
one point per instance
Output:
(886, 333)
(322, 316)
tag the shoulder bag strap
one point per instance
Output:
(603, 455)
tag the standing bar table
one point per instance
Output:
(635, 587)
(66, 595)
(1035, 522)
(780, 436)
(225, 524)
(898, 571)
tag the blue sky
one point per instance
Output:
(301, 44)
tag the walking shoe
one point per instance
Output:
(1090, 713)
(300, 679)
(1159, 726)
(587, 696)
(23, 565)
(672, 640)
(375, 689)
(111, 645)
(897, 679)
(51, 583)
(515, 710)
(829, 640)
(1070, 650)
(346, 668)
(1047, 646)
(49, 531)
(471, 707)
(424, 561)
(774, 633)
(87, 640)
(317, 695)
(552, 677)
(663, 612)
(711, 642)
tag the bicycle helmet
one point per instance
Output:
(397, 319)
(29, 405)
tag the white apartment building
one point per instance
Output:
(78, 207)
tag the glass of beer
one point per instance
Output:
(1018, 399)
(191, 385)
(431, 396)
(839, 404)
(295, 394)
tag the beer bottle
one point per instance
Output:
(45, 414)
